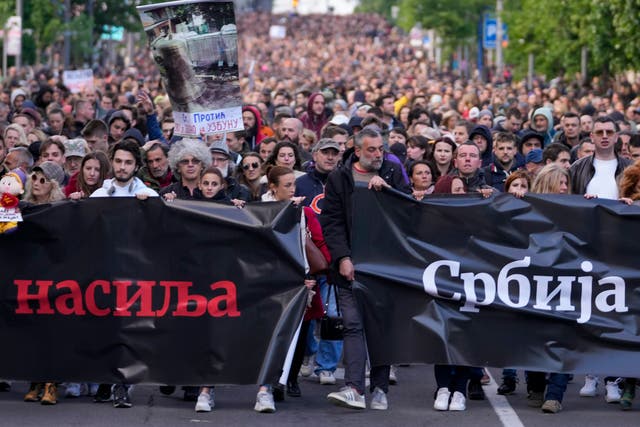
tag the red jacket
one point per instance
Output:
(313, 225)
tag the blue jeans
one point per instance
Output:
(556, 384)
(329, 352)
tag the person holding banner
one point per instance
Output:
(365, 164)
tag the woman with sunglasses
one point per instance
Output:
(249, 172)
(44, 184)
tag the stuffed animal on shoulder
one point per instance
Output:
(11, 186)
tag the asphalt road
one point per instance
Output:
(411, 404)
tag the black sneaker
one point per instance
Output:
(475, 391)
(167, 389)
(191, 393)
(103, 394)
(121, 396)
(508, 386)
(278, 392)
(293, 389)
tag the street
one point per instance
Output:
(410, 401)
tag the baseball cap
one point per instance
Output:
(474, 113)
(75, 147)
(325, 143)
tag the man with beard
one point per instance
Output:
(291, 130)
(156, 172)
(366, 165)
(125, 162)
(252, 121)
(506, 159)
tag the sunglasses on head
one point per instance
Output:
(43, 180)
(253, 165)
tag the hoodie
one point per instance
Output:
(313, 121)
(256, 134)
(486, 133)
(548, 135)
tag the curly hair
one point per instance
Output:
(188, 147)
(629, 182)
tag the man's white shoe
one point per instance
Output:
(326, 378)
(204, 403)
(379, 400)
(347, 397)
(589, 387)
(613, 394)
(442, 399)
(264, 402)
(458, 402)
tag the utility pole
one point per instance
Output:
(19, 14)
(499, 37)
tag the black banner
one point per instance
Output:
(111, 290)
(546, 283)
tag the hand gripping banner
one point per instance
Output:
(111, 290)
(544, 283)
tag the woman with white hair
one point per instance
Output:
(15, 136)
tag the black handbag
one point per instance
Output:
(331, 328)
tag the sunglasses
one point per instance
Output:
(254, 165)
(43, 180)
(601, 132)
(185, 162)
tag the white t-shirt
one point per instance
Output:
(603, 184)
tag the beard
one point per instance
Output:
(124, 178)
(370, 165)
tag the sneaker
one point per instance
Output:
(34, 393)
(535, 399)
(627, 396)
(293, 389)
(264, 403)
(508, 386)
(278, 392)
(458, 402)
(475, 391)
(379, 400)
(103, 394)
(393, 375)
(121, 397)
(167, 389)
(307, 366)
(205, 402)
(72, 390)
(49, 397)
(612, 394)
(347, 397)
(327, 378)
(551, 407)
(589, 387)
(442, 399)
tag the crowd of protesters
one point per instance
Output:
(338, 100)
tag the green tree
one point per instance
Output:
(43, 19)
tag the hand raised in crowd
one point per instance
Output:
(346, 269)
(144, 100)
(377, 183)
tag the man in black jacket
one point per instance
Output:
(366, 165)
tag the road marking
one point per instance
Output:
(500, 405)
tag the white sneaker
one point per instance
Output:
(458, 402)
(205, 402)
(393, 374)
(264, 402)
(612, 394)
(347, 397)
(589, 387)
(307, 366)
(72, 390)
(379, 400)
(327, 378)
(442, 399)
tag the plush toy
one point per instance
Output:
(11, 186)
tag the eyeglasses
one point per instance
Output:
(219, 159)
(601, 132)
(254, 165)
(43, 180)
(185, 162)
